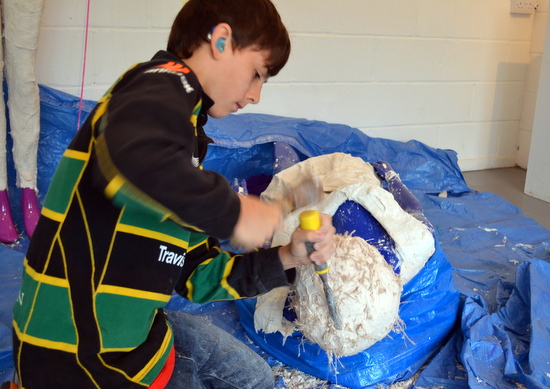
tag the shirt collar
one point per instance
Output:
(207, 102)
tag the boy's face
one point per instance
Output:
(238, 80)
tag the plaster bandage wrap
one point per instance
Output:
(333, 171)
(21, 22)
(366, 289)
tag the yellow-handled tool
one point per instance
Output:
(311, 220)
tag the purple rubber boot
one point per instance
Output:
(30, 209)
(8, 233)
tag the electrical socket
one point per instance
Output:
(523, 6)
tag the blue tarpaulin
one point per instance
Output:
(479, 305)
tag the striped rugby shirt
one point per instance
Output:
(126, 221)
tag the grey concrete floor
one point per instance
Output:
(509, 184)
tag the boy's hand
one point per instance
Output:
(257, 223)
(295, 253)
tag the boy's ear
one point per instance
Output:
(220, 39)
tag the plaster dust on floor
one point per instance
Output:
(296, 379)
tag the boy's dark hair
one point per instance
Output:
(255, 23)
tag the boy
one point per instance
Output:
(130, 217)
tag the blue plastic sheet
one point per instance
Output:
(249, 137)
(428, 309)
(497, 258)
(501, 341)
(11, 262)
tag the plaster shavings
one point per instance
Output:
(367, 294)
(296, 379)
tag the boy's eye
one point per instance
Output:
(260, 76)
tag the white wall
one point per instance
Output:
(450, 73)
(537, 182)
(532, 85)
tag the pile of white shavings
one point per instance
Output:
(296, 379)
(367, 294)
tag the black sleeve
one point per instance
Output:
(210, 274)
(149, 131)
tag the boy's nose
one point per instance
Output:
(253, 95)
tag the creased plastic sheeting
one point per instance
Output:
(445, 370)
(11, 265)
(512, 344)
(485, 238)
(419, 166)
(429, 306)
(500, 264)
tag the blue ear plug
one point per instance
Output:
(220, 45)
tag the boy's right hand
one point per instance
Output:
(257, 223)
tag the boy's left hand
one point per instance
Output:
(295, 253)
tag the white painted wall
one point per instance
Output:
(537, 182)
(450, 73)
(532, 85)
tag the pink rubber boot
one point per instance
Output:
(30, 209)
(8, 233)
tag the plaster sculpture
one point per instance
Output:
(366, 288)
(21, 24)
